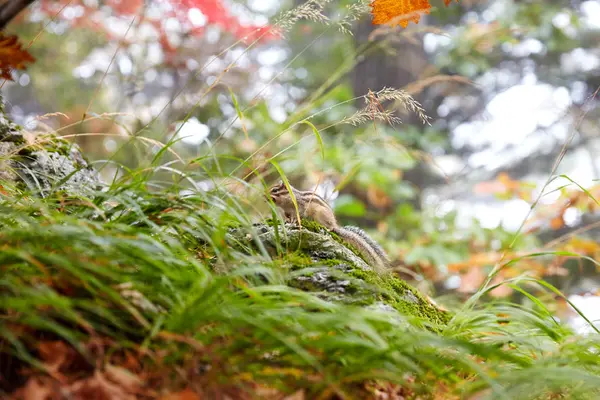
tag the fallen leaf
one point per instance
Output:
(186, 394)
(98, 387)
(55, 354)
(124, 378)
(299, 395)
(36, 389)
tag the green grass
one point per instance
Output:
(62, 260)
(146, 280)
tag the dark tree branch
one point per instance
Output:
(10, 9)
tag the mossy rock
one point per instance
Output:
(43, 163)
(318, 262)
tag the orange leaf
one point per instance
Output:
(557, 223)
(12, 56)
(377, 197)
(581, 245)
(470, 281)
(399, 12)
(502, 290)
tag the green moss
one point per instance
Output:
(11, 132)
(349, 284)
(338, 285)
(296, 261)
(230, 224)
(403, 297)
(58, 145)
(271, 222)
(333, 262)
(313, 226)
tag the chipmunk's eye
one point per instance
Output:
(278, 187)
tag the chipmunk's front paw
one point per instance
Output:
(292, 221)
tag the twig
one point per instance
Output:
(10, 9)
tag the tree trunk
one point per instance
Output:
(381, 69)
(395, 69)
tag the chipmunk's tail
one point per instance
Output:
(368, 248)
(378, 249)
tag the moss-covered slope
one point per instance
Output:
(317, 261)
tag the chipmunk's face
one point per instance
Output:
(280, 195)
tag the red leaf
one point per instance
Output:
(12, 56)
(125, 7)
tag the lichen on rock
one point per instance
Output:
(45, 170)
(317, 262)
(43, 163)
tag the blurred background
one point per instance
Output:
(508, 88)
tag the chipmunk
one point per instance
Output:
(314, 207)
